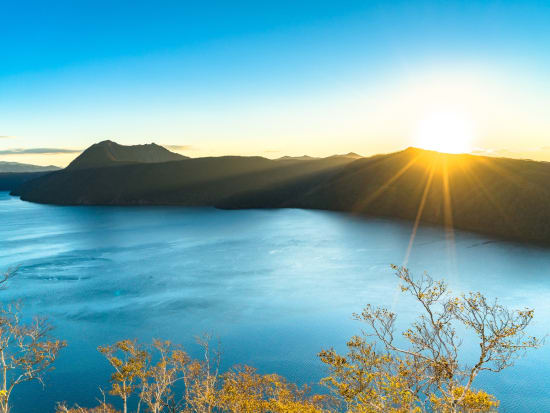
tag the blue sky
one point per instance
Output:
(285, 77)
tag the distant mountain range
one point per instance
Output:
(13, 174)
(351, 155)
(16, 167)
(504, 197)
(297, 158)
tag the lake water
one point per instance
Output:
(275, 286)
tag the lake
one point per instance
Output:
(274, 286)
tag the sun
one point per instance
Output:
(445, 131)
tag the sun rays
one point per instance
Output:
(437, 171)
(430, 175)
(447, 190)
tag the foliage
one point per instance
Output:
(152, 374)
(128, 360)
(366, 381)
(246, 391)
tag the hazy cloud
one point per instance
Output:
(49, 151)
(528, 152)
(540, 153)
(6, 137)
(272, 151)
(493, 152)
(180, 147)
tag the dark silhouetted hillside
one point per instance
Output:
(503, 197)
(499, 196)
(11, 181)
(201, 181)
(108, 153)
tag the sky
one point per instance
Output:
(210, 78)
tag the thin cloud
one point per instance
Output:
(42, 151)
(6, 137)
(482, 151)
(180, 147)
(272, 151)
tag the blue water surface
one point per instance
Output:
(274, 286)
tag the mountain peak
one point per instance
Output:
(352, 155)
(110, 153)
(296, 158)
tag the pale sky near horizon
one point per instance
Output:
(274, 78)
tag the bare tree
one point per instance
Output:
(202, 380)
(4, 278)
(429, 370)
(27, 352)
(160, 377)
(151, 373)
(103, 407)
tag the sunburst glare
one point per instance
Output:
(445, 131)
